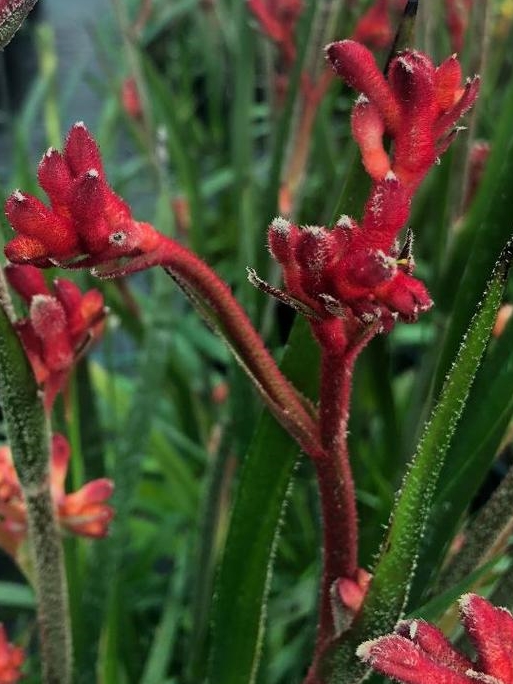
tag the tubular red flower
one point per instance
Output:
(418, 653)
(86, 221)
(418, 105)
(58, 326)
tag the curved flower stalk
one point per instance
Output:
(418, 653)
(83, 512)
(11, 660)
(88, 225)
(59, 328)
(354, 280)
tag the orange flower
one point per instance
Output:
(83, 512)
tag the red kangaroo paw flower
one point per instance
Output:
(55, 178)
(368, 129)
(374, 29)
(417, 104)
(418, 653)
(11, 660)
(86, 219)
(27, 281)
(357, 66)
(491, 631)
(59, 325)
(433, 643)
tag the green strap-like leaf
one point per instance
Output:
(244, 577)
(394, 570)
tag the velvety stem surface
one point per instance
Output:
(50, 585)
(215, 301)
(336, 485)
(28, 435)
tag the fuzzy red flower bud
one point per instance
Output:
(357, 66)
(417, 103)
(86, 221)
(419, 653)
(58, 326)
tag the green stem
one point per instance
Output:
(29, 439)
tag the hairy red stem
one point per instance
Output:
(336, 485)
(203, 285)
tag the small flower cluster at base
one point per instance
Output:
(87, 223)
(418, 653)
(11, 660)
(83, 512)
(417, 105)
(60, 325)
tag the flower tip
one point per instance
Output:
(280, 225)
(364, 651)
(49, 152)
(93, 173)
(345, 221)
(18, 196)
(79, 124)
(390, 176)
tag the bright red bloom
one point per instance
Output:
(417, 105)
(278, 19)
(352, 276)
(418, 653)
(86, 224)
(83, 512)
(11, 660)
(59, 326)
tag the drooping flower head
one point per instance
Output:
(60, 324)
(11, 660)
(86, 223)
(418, 653)
(84, 512)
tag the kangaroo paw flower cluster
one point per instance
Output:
(60, 325)
(86, 223)
(418, 653)
(11, 660)
(84, 512)
(355, 276)
(417, 105)
(352, 275)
